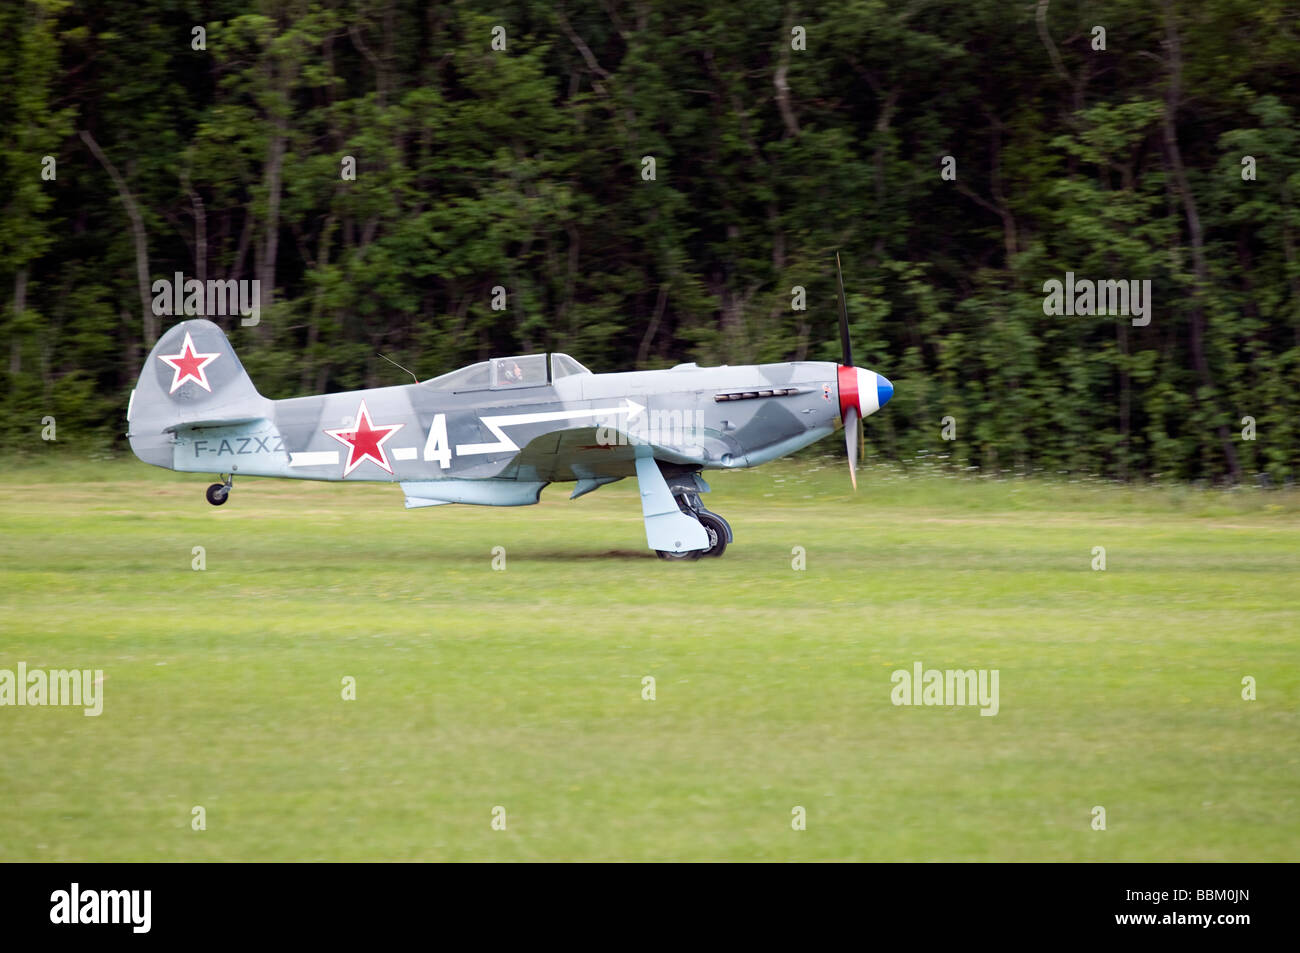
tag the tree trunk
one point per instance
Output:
(20, 305)
(150, 322)
(643, 351)
(271, 242)
(1194, 231)
(282, 85)
(200, 238)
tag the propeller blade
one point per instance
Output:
(851, 431)
(844, 317)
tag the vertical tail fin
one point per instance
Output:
(191, 378)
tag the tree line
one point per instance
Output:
(652, 183)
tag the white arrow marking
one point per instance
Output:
(505, 445)
(314, 458)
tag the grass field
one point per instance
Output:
(522, 688)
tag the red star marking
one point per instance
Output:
(189, 365)
(365, 441)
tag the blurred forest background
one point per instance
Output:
(523, 168)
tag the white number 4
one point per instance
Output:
(437, 447)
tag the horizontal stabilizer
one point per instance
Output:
(215, 422)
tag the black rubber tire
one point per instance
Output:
(688, 556)
(218, 493)
(717, 535)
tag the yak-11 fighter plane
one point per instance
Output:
(496, 432)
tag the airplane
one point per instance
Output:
(497, 432)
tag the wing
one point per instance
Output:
(601, 454)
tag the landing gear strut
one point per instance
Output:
(218, 493)
(686, 488)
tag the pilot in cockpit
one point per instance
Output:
(509, 372)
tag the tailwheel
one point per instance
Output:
(717, 530)
(218, 493)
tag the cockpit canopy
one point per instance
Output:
(500, 373)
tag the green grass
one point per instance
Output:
(522, 688)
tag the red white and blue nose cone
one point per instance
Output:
(863, 390)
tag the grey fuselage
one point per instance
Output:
(581, 427)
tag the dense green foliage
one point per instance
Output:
(523, 168)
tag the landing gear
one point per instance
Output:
(716, 527)
(686, 489)
(688, 556)
(218, 493)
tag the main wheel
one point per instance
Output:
(218, 493)
(679, 557)
(717, 535)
